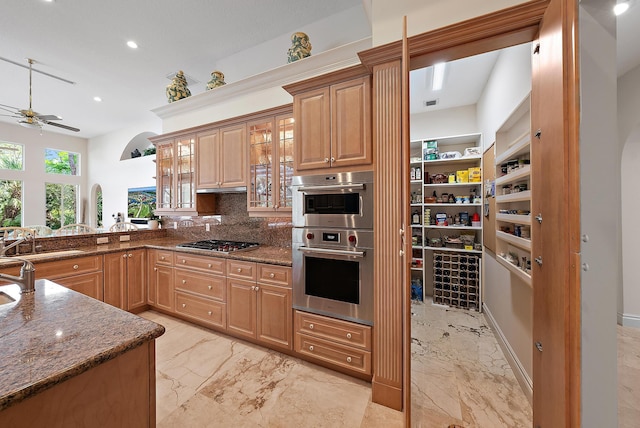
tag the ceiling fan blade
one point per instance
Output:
(46, 117)
(10, 111)
(6, 106)
(59, 125)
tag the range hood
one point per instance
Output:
(238, 189)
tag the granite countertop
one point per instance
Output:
(263, 254)
(56, 333)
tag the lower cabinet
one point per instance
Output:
(259, 303)
(338, 343)
(89, 284)
(125, 279)
(160, 290)
(82, 274)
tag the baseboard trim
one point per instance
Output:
(518, 370)
(629, 320)
(386, 395)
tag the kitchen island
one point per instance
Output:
(70, 360)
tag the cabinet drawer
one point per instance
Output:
(164, 257)
(272, 274)
(211, 286)
(344, 356)
(68, 267)
(204, 263)
(240, 269)
(208, 311)
(344, 332)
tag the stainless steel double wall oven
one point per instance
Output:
(333, 245)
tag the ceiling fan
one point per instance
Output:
(31, 119)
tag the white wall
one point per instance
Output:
(35, 143)
(446, 122)
(629, 142)
(116, 176)
(423, 16)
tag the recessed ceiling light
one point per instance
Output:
(438, 76)
(621, 8)
(132, 44)
(97, 99)
(49, 1)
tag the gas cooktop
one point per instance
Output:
(220, 246)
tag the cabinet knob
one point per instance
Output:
(184, 305)
(155, 268)
(124, 256)
(209, 265)
(253, 287)
(239, 270)
(76, 267)
(130, 255)
(162, 258)
(257, 288)
(311, 348)
(348, 335)
(184, 261)
(310, 326)
(333, 159)
(184, 281)
(209, 287)
(209, 313)
(272, 275)
(348, 359)
(326, 160)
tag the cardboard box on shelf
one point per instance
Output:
(475, 175)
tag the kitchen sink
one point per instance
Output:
(5, 298)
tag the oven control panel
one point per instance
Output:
(347, 238)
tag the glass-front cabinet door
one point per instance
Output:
(185, 174)
(270, 166)
(164, 175)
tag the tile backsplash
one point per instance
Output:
(232, 223)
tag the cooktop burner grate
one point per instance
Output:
(219, 246)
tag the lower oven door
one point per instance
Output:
(334, 280)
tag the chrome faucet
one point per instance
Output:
(27, 278)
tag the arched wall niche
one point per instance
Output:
(139, 142)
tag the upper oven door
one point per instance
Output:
(342, 200)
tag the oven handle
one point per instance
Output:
(359, 186)
(332, 252)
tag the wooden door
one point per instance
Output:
(233, 156)
(207, 167)
(115, 279)
(164, 288)
(274, 325)
(351, 123)
(151, 276)
(312, 112)
(555, 240)
(136, 279)
(241, 307)
(89, 284)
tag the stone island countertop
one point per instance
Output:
(54, 334)
(263, 254)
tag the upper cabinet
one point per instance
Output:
(333, 121)
(271, 145)
(175, 177)
(221, 155)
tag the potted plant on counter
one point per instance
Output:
(154, 222)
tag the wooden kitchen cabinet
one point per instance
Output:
(221, 156)
(160, 279)
(271, 142)
(125, 279)
(259, 303)
(333, 122)
(176, 177)
(82, 274)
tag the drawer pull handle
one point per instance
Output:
(184, 305)
(162, 258)
(310, 326)
(209, 287)
(348, 359)
(311, 348)
(184, 281)
(209, 313)
(209, 265)
(239, 270)
(348, 335)
(184, 261)
(76, 266)
(272, 275)
(155, 268)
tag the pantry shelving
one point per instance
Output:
(446, 207)
(513, 192)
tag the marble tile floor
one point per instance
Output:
(459, 375)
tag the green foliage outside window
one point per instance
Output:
(11, 156)
(10, 203)
(61, 203)
(61, 162)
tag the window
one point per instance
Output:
(11, 156)
(61, 203)
(10, 203)
(61, 162)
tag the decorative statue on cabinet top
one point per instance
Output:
(300, 47)
(178, 88)
(217, 79)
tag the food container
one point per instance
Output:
(462, 176)
(475, 175)
(429, 200)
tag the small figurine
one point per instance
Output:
(217, 79)
(300, 47)
(177, 89)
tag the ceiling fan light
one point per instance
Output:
(29, 124)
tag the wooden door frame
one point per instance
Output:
(498, 30)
